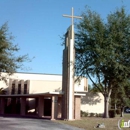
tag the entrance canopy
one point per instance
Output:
(34, 95)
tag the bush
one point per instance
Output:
(83, 113)
(112, 113)
(86, 114)
(92, 114)
(99, 115)
(118, 111)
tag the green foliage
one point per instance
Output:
(95, 89)
(99, 115)
(83, 113)
(112, 113)
(121, 96)
(102, 50)
(89, 87)
(118, 111)
(92, 114)
(9, 61)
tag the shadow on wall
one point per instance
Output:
(3, 91)
(91, 98)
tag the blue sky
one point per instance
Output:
(38, 25)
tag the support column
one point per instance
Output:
(22, 86)
(10, 86)
(36, 105)
(54, 107)
(59, 107)
(2, 106)
(23, 106)
(77, 107)
(41, 106)
(28, 86)
(16, 86)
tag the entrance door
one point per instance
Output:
(47, 107)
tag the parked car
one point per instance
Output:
(127, 110)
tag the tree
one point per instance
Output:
(121, 97)
(89, 87)
(102, 50)
(9, 61)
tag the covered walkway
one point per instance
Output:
(42, 105)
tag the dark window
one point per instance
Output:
(19, 88)
(13, 89)
(25, 88)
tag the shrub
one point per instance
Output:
(86, 114)
(97, 114)
(118, 111)
(112, 113)
(83, 113)
(101, 115)
(92, 114)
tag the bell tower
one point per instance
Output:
(68, 72)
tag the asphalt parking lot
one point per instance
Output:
(32, 124)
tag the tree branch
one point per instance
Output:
(94, 83)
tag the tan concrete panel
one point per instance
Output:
(44, 86)
(93, 103)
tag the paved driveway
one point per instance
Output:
(32, 124)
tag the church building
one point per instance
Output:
(38, 95)
(48, 95)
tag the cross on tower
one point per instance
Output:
(72, 16)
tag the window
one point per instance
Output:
(19, 88)
(13, 89)
(25, 88)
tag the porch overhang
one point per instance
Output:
(33, 95)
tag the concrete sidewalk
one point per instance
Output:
(32, 124)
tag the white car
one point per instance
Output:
(127, 110)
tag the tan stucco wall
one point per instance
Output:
(44, 82)
(38, 86)
(93, 103)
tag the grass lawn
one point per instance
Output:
(88, 123)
